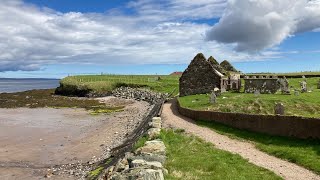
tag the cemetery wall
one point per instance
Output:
(289, 126)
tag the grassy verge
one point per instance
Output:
(46, 98)
(191, 158)
(306, 104)
(106, 83)
(303, 152)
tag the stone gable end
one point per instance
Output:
(199, 77)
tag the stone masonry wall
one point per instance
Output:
(198, 78)
(263, 85)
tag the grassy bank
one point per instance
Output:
(306, 104)
(106, 83)
(46, 98)
(303, 152)
(191, 158)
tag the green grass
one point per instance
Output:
(46, 98)
(106, 83)
(95, 173)
(191, 158)
(141, 141)
(303, 152)
(306, 104)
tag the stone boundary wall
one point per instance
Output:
(289, 126)
(139, 94)
(146, 162)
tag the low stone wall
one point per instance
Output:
(139, 94)
(146, 162)
(290, 126)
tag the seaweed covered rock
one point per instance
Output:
(226, 65)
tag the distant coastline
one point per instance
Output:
(10, 85)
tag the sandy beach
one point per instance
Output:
(34, 140)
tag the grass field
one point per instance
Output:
(190, 158)
(105, 83)
(306, 104)
(303, 152)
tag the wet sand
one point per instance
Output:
(33, 140)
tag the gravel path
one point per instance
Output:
(287, 170)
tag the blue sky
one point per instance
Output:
(56, 38)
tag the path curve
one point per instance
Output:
(285, 169)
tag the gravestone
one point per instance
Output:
(303, 86)
(256, 93)
(279, 109)
(284, 85)
(213, 98)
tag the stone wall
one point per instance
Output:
(290, 126)
(199, 77)
(263, 85)
(139, 94)
(146, 162)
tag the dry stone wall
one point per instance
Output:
(139, 94)
(147, 162)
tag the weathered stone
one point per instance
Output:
(284, 85)
(303, 86)
(153, 133)
(213, 98)
(149, 157)
(264, 85)
(154, 147)
(156, 122)
(145, 164)
(199, 78)
(140, 174)
(279, 109)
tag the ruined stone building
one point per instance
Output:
(231, 82)
(261, 84)
(199, 78)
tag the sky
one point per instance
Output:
(56, 38)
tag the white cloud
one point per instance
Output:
(255, 25)
(31, 37)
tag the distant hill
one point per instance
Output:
(177, 73)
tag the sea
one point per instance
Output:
(9, 85)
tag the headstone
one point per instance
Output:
(303, 86)
(279, 109)
(284, 86)
(256, 93)
(303, 77)
(213, 98)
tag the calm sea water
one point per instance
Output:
(17, 85)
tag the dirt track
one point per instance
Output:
(287, 170)
(33, 140)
